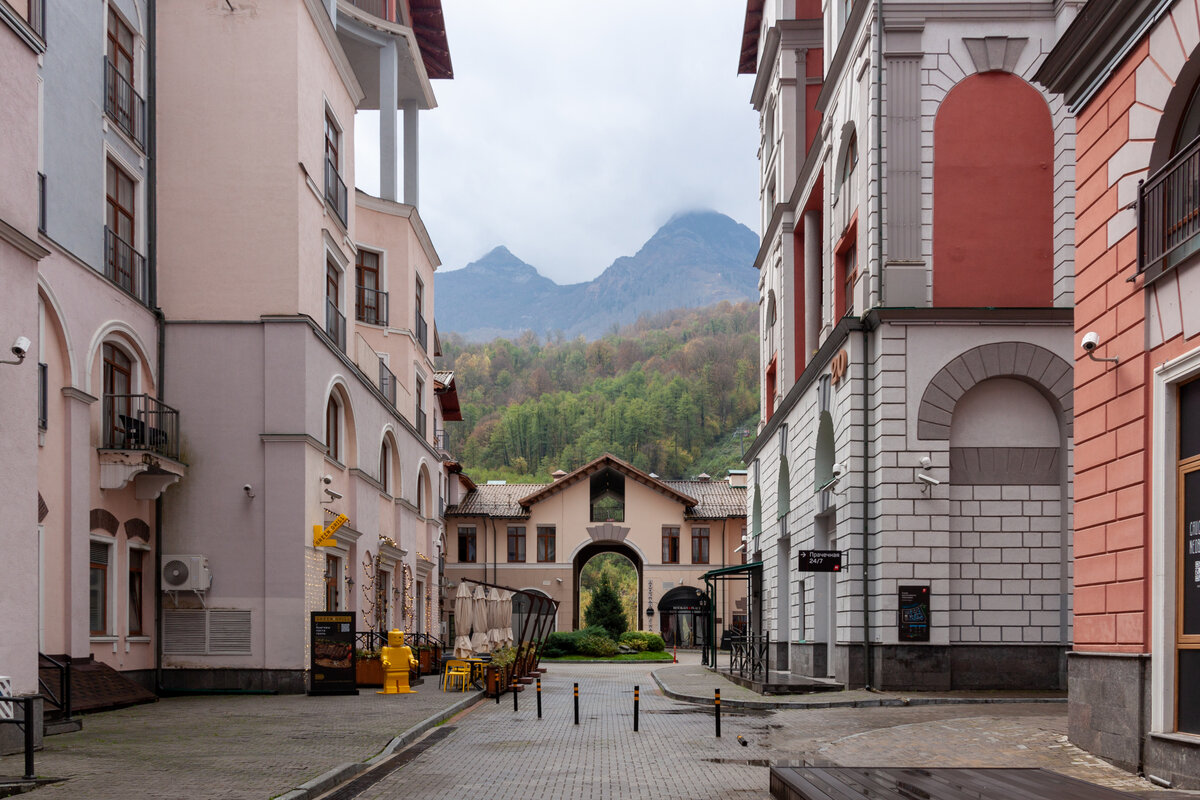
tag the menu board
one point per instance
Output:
(1190, 561)
(914, 614)
(332, 653)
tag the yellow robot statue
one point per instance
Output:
(397, 661)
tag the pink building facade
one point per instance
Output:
(1128, 72)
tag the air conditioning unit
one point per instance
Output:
(186, 573)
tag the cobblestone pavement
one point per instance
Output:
(226, 746)
(495, 753)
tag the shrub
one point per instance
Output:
(606, 610)
(634, 639)
(597, 646)
(644, 640)
(566, 643)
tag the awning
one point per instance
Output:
(728, 572)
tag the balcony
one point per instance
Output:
(123, 105)
(1169, 213)
(335, 324)
(43, 409)
(422, 332)
(384, 9)
(125, 266)
(370, 306)
(140, 422)
(387, 382)
(335, 192)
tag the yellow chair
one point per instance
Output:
(456, 671)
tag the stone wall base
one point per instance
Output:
(283, 681)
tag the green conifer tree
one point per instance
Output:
(606, 611)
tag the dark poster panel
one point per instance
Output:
(1189, 420)
(1190, 561)
(914, 614)
(332, 660)
(1189, 691)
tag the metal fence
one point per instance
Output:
(748, 656)
(124, 105)
(140, 422)
(125, 266)
(370, 306)
(335, 324)
(335, 191)
(1169, 209)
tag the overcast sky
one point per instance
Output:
(572, 131)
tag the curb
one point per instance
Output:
(347, 772)
(887, 702)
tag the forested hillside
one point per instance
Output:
(667, 394)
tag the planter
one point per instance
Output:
(426, 659)
(368, 672)
(494, 675)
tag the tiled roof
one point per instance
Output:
(718, 499)
(494, 500)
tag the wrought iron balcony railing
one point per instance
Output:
(370, 306)
(421, 423)
(125, 266)
(387, 382)
(1169, 212)
(335, 191)
(140, 422)
(422, 332)
(335, 324)
(123, 105)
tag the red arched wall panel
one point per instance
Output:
(993, 195)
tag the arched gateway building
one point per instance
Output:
(539, 536)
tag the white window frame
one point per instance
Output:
(110, 600)
(1163, 532)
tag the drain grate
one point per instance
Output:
(373, 776)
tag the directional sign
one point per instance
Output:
(820, 561)
(323, 537)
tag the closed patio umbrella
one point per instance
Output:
(506, 604)
(495, 635)
(463, 614)
(479, 622)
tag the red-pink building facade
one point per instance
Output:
(1129, 71)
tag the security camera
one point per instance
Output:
(838, 471)
(1091, 340)
(326, 479)
(928, 480)
(20, 347)
(333, 495)
(249, 490)
(926, 462)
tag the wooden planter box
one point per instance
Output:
(494, 674)
(426, 659)
(368, 672)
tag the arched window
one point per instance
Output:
(332, 428)
(849, 160)
(118, 400)
(385, 465)
(824, 456)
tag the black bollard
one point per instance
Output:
(636, 691)
(717, 705)
(577, 704)
(539, 697)
(514, 691)
(499, 686)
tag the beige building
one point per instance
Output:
(538, 537)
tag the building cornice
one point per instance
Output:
(28, 246)
(22, 28)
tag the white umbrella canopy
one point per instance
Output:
(495, 634)
(463, 614)
(506, 603)
(479, 622)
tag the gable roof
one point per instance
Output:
(717, 499)
(607, 461)
(494, 500)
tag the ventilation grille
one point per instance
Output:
(211, 631)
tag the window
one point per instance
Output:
(670, 545)
(545, 543)
(422, 330)
(335, 320)
(466, 544)
(101, 553)
(848, 264)
(1187, 628)
(420, 412)
(370, 304)
(122, 262)
(333, 582)
(383, 611)
(850, 161)
(385, 466)
(135, 592)
(118, 390)
(333, 141)
(335, 187)
(332, 438)
(699, 545)
(122, 104)
(745, 545)
(516, 544)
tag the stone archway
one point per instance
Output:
(585, 554)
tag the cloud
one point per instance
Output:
(572, 131)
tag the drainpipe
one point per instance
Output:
(159, 318)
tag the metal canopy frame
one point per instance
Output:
(710, 579)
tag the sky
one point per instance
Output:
(572, 131)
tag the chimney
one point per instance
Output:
(558, 474)
(737, 478)
(704, 477)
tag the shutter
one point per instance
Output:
(229, 632)
(184, 631)
(100, 553)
